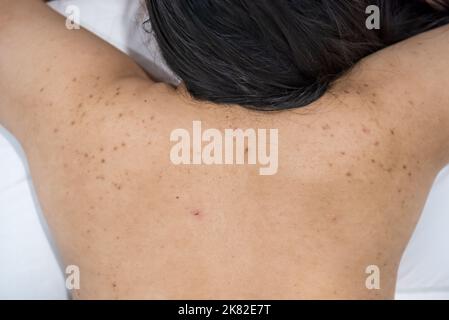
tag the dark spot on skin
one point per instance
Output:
(98, 78)
(91, 96)
(392, 132)
(123, 144)
(114, 285)
(74, 80)
(376, 143)
(389, 170)
(117, 93)
(399, 190)
(348, 174)
(374, 94)
(48, 69)
(410, 102)
(373, 102)
(41, 90)
(404, 167)
(365, 85)
(80, 105)
(343, 153)
(366, 130)
(103, 160)
(72, 123)
(346, 91)
(115, 148)
(409, 174)
(86, 155)
(177, 197)
(120, 115)
(101, 149)
(145, 100)
(117, 186)
(99, 177)
(117, 238)
(56, 130)
(331, 164)
(152, 118)
(326, 127)
(195, 212)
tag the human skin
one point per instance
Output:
(355, 168)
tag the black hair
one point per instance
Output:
(277, 54)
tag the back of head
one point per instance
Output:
(276, 54)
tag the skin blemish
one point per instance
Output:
(404, 167)
(348, 174)
(72, 123)
(86, 155)
(365, 85)
(114, 285)
(146, 101)
(326, 127)
(373, 161)
(103, 161)
(365, 130)
(343, 153)
(409, 174)
(120, 115)
(177, 197)
(331, 164)
(41, 90)
(91, 96)
(80, 106)
(74, 80)
(376, 143)
(346, 91)
(195, 212)
(123, 144)
(410, 102)
(392, 132)
(152, 118)
(115, 148)
(99, 177)
(56, 130)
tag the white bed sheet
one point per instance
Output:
(29, 267)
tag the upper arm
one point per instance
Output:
(43, 64)
(408, 87)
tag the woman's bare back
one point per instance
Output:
(353, 175)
